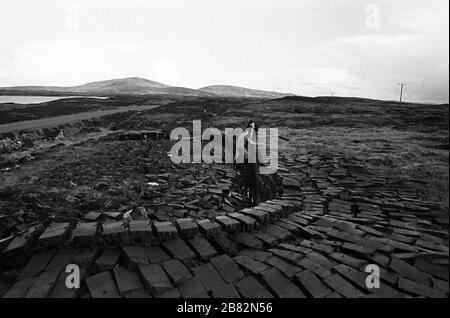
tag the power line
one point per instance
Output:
(401, 91)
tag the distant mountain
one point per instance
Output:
(137, 86)
(133, 85)
(123, 86)
(236, 91)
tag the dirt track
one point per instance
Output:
(59, 120)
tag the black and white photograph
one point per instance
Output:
(223, 155)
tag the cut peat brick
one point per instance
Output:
(155, 279)
(202, 248)
(4, 242)
(85, 234)
(327, 249)
(209, 228)
(5, 285)
(348, 260)
(321, 260)
(343, 287)
(156, 255)
(127, 281)
(259, 215)
(437, 271)
(225, 291)
(171, 294)
(298, 220)
(228, 224)
(37, 264)
(288, 256)
(257, 255)
(165, 230)
(85, 258)
(293, 228)
(107, 260)
(227, 268)
(187, 228)
(113, 233)
(62, 259)
(43, 285)
(250, 288)
(250, 265)
(102, 286)
(286, 268)
(213, 282)
(296, 248)
(267, 239)
(193, 289)
(313, 285)
(208, 275)
(284, 205)
(358, 249)
(441, 285)
(55, 235)
(60, 289)
(177, 272)
(178, 249)
(277, 209)
(248, 223)
(279, 232)
(141, 232)
(248, 240)
(280, 285)
(414, 288)
(358, 278)
(134, 256)
(16, 251)
(271, 213)
(139, 293)
(410, 272)
(20, 288)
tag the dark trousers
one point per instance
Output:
(249, 180)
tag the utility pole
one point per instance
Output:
(401, 91)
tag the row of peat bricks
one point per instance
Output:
(16, 251)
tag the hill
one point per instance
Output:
(138, 86)
(236, 91)
(124, 86)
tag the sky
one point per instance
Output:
(361, 48)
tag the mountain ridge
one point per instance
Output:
(237, 91)
(140, 86)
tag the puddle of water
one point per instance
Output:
(37, 99)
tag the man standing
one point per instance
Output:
(247, 162)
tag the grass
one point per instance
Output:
(410, 141)
(404, 154)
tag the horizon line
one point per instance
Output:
(229, 85)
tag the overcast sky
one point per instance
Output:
(307, 47)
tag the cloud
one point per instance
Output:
(371, 65)
(431, 22)
(382, 61)
(75, 62)
(310, 47)
(317, 81)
